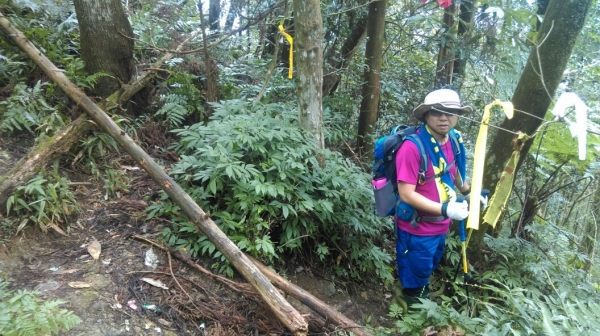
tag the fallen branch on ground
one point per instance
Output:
(282, 309)
(300, 294)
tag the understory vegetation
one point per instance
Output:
(25, 313)
(256, 171)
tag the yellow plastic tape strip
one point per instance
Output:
(504, 186)
(479, 160)
(503, 189)
(290, 39)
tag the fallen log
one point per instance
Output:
(41, 154)
(279, 306)
(331, 315)
(311, 301)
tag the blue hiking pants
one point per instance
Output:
(417, 257)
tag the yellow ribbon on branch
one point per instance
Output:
(290, 39)
(504, 186)
(479, 159)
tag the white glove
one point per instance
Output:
(482, 199)
(484, 202)
(457, 211)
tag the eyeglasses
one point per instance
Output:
(438, 113)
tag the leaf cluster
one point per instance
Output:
(530, 289)
(24, 313)
(258, 175)
(45, 200)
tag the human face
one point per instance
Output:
(440, 121)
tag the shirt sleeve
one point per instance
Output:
(407, 163)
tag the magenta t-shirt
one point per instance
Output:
(407, 167)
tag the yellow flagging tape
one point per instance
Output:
(504, 186)
(502, 191)
(290, 39)
(479, 159)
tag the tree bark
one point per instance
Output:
(331, 80)
(308, 42)
(214, 14)
(445, 61)
(61, 142)
(465, 24)
(371, 88)
(537, 85)
(106, 43)
(281, 308)
(311, 302)
(210, 69)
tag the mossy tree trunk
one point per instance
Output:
(465, 27)
(371, 88)
(536, 88)
(308, 42)
(214, 14)
(106, 42)
(445, 62)
(339, 60)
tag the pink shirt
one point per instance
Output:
(407, 169)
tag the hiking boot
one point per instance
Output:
(412, 296)
(398, 298)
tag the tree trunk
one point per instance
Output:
(371, 86)
(281, 308)
(339, 62)
(214, 14)
(308, 43)
(106, 43)
(211, 71)
(465, 24)
(537, 85)
(231, 14)
(61, 142)
(445, 61)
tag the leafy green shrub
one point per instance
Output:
(531, 289)
(27, 109)
(24, 313)
(181, 99)
(258, 176)
(47, 201)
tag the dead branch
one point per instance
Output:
(280, 308)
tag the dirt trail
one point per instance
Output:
(51, 264)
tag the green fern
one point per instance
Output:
(27, 109)
(43, 200)
(174, 109)
(257, 172)
(24, 313)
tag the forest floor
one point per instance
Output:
(113, 295)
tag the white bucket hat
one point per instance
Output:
(443, 99)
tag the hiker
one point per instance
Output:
(420, 240)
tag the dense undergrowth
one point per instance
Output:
(257, 174)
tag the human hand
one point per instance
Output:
(457, 210)
(483, 199)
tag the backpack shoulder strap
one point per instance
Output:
(423, 168)
(455, 145)
(414, 138)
